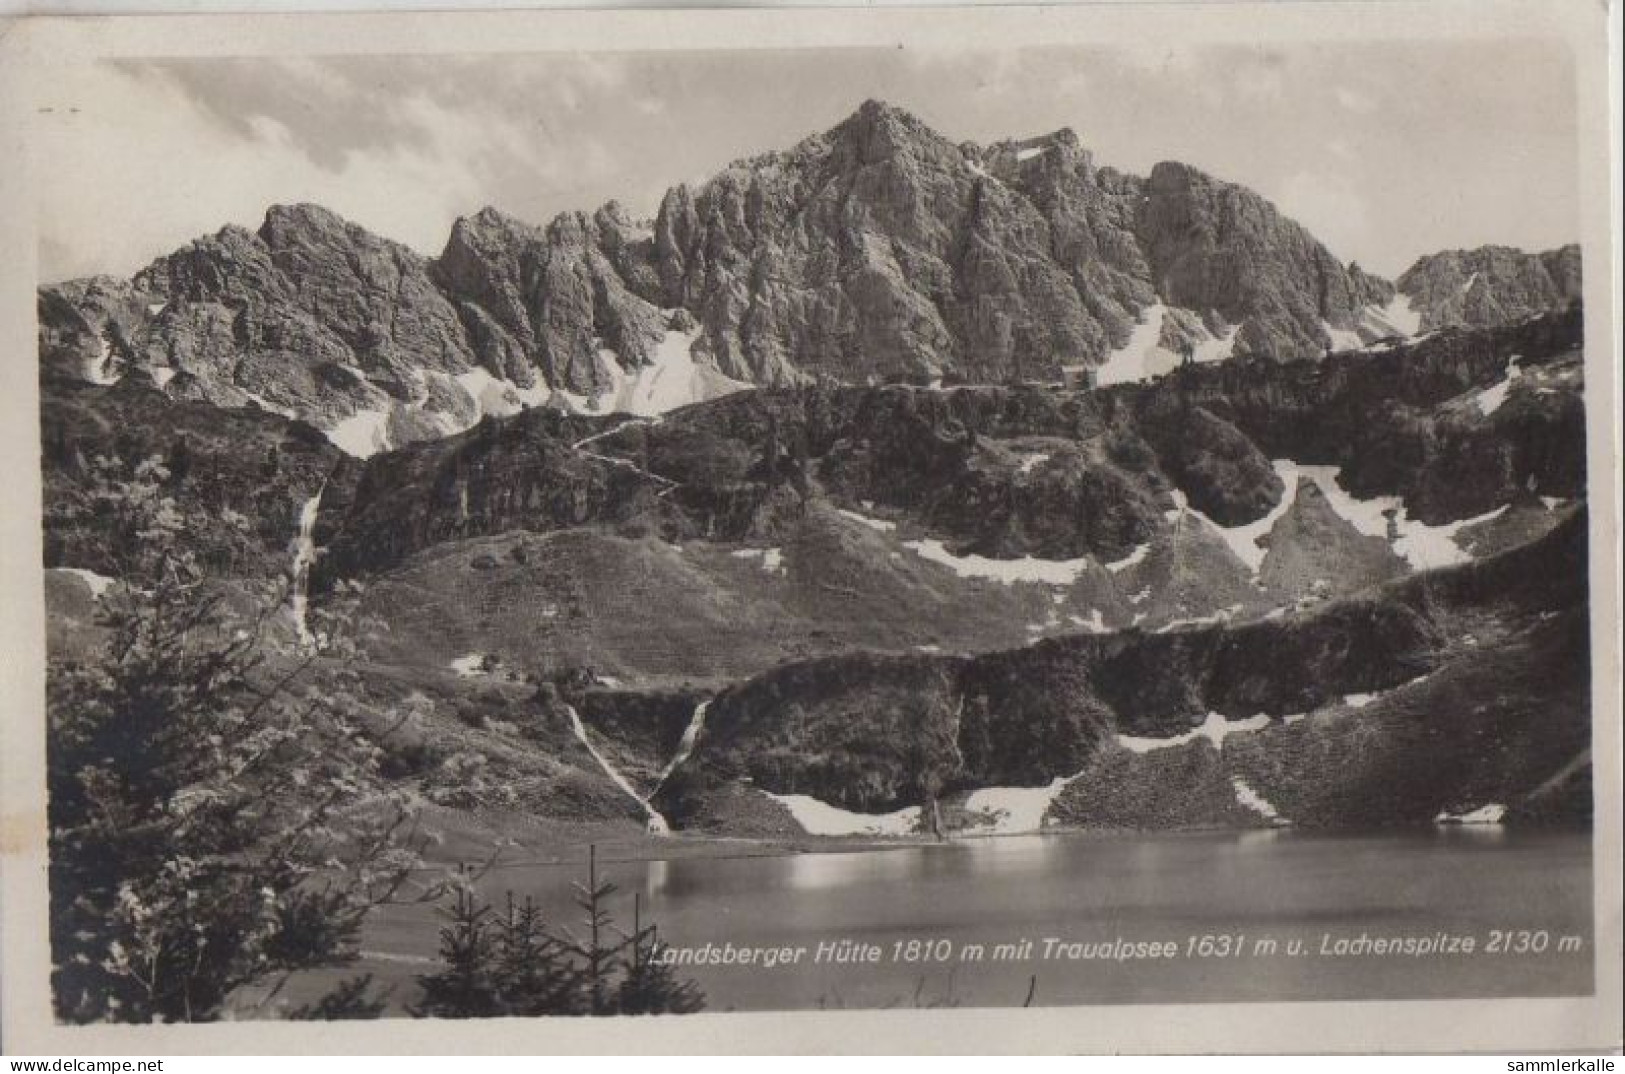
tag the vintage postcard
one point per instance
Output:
(1079, 528)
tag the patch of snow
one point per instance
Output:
(1275, 613)
(1358, 701)
(878, 524)
(469, 666)
(1552, 503)
(1133, 361)
(1493, 813)
(1144, 357)
(1095, 624)
(1221, 616)
(1016, 810)
(1424, 547)
(101, 369)
(363, 434)
(155, 308)
(499, 397)
(1030, 152)
(1028, 462)
(1215, 729)
(1399, 317)
(1243, 539)
(1216, 348)
(772, 558)
(817, 818)
(1007, 571)
(1343, 339)
(1255, 801)
(1132, 559)
(98, 583)
(162, 375)
(1435, 546)
(1140, 598)
(1490, 399)
(672, 379)
(1468, 286)
(928, 648)
(1293, 718)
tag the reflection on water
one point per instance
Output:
(1278, 884)
(659, 876)
(1474, 833)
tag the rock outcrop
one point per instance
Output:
(1219, 249)
(1492, 285)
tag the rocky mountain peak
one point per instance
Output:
(1490, 285)
(877, 249)
(287, 225)
(878, 131)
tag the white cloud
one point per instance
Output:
(141, 169)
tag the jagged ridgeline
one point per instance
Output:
(869, 489)
(876, 250)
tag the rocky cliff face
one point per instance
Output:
(876, 250)
(1455, 426)
(1492, 285)
(1121, 712)
(1219, 249)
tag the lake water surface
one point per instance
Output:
(1269, 915)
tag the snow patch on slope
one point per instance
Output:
(98, 583)
(674, 379)
(1215, 729)
(1243, 539)
(772, 559)
(469, 666)
(818, 818)
(1006, 571)
(499, 397)
(1129, 363)
(878, 524)
(1423, 546)
(1343, 339)
(1490, 399)
(102, 369)
(1016, 810)
(1134, 558)
(1399, 317)
(1493, 813)
(363, 434)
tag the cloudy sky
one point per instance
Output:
(1385, 151)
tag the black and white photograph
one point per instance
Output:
(681, 530)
